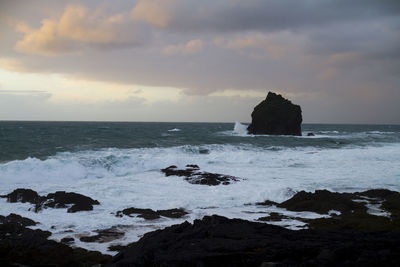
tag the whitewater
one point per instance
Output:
(119, 165)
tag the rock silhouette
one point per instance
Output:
(276, 116)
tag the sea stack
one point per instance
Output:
(277, 116)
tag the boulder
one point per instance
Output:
(149, 214)
(59, 199)
(193, 175)
(22, 195)
(218, 241)
(276, 116)
(21, 246)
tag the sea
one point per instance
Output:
(119, 163)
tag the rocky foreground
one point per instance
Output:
(363, 229)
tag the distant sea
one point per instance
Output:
(119, 164)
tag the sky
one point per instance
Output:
(199, 61)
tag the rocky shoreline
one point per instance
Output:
(361, 229)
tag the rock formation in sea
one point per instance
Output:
(60, 199)
(277, 116)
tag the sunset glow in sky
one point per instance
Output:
(186, 60)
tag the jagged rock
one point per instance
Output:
(59, 199)
(322, 201)
(218, 241)
(67, 240)
(277, 116)
(16, 219)
(149, 214)
(22, 195)
(21, 246)
(352, 207)
(193, 175)
(104, 235)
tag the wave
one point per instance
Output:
(174, 130)
(122, 178)
(240, 129)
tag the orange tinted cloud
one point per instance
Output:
(156, 12)
(76, 27)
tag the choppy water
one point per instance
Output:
(119, 165)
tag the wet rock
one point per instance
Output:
(67, 240)
(116, 248)
(193, 175)
(274, 217)
(80, 207)
(277, 116)
(22, 195)
(353, 208)
(218, 241)
(310, 134)
(23, 246)
(149, 214)
(104, 235)
(16, 219)
(60, 199)
(267, 203)
(322, 201)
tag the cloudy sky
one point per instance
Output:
(190, 60)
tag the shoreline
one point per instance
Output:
(348, 214)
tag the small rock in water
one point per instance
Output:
(103, 236)
(193, 175)
(310, 134)
(59, 199)
(149, 214)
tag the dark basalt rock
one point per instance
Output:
(80, 207)
(59, 199)
(149, 214)
(21, 246)
(67, 240)
(22, 195)
(322, 201)
(218, 241)
(277, 116)
(104, 235)
(352, 207)
(193, 175)
(18, 220)
(310, 134)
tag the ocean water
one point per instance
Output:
(119, 165)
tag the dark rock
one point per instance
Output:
(352, 207)
(104, 235)
(59, 199)
(274, 217)
(80, 207)
(310, 134)
(23, 246)
(172, 213)
(277, 116)
(322, 201)
(116, 248)
(17, 220)
(67, 240)
(22, 195)
(267, 203)
(193, 175)
(149, 214)
(218, 241)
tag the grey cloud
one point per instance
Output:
(276, 15)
